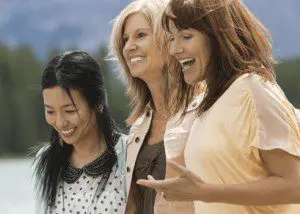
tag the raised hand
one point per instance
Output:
(186, 187)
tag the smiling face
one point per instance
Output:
(72, 124)
(192, 49)
(142, 56)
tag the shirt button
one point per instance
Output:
(147, 114)
(137, 139)
(194, 105)
(128, 169)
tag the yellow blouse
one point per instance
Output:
(223, 145)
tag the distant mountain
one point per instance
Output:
(86, 24)
(282, 19)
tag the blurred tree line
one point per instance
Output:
(22, 122)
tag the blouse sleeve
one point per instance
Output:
(274, 122)
(178, 129)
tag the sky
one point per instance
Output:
(45, 24)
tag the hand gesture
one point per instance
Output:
(186, 187)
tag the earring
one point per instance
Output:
(100, 108)
(61, 141)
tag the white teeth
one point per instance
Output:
(67, 131)
(136, 59)
(185, 60)
(184, 64)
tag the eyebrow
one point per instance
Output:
(64, 106)
(140, 29)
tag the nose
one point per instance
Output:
(61, 122)
(176, 48)
(130, 45)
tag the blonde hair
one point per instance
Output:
(137, 89)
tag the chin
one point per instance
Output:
(69, 141)
(138, 74)
(190, 80)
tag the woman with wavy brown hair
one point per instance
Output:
(242, 153)
(140, 46)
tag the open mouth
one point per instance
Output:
(67, 133)
(136, 59)
(186, 63)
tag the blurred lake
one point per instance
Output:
(16, 186)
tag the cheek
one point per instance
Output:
(74, 119)
(50, 120)
(203, 56)
(149, 47)
(207, 50)
(124, 54)
(81, 119)
(87, 125)
(156, 58)
(91, 123)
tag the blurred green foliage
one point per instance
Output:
(288, 77)
(22, 123)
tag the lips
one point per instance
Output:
(135, 60)
(67, 132)
(187, 63)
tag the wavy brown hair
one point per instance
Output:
(137, 89)
(240, 44)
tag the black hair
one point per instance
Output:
(73, 70)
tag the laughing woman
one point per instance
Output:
(140, 45)
(242, 153)
(81, 169)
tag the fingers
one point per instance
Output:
(155, 184)
(150, 177)
(184, 171)
(163, 195)
(178, 168)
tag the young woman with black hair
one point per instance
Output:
(81, 169)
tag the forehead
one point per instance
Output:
(136, 21)
(57, 96)
(174, 30)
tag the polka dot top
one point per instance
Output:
(83, 196)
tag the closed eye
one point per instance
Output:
(70, 111)
(187, 37)
(49, 112)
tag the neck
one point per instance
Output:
(87, 150)
(156, 88)
(89, 145)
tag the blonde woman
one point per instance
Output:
(242, 153)
(140, 45)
